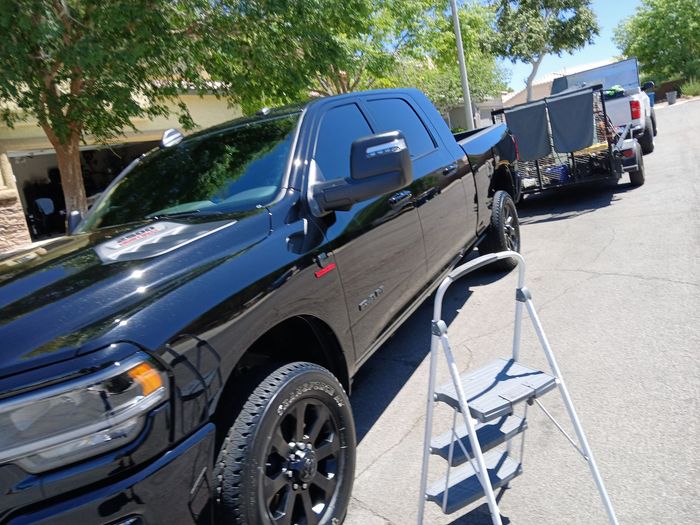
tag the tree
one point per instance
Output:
(486, 77)
(394, 30)
(410, 43)
(88, 67)
(531, 29)
(664, 35)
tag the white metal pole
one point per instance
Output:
(462, 67)
(572, 412)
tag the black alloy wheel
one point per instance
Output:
(289, 457)
(504, 231)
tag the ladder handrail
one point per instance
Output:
(470, 266)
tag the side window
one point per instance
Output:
(340, 127)
(396, 114)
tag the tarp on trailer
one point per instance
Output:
(528, 123)
(571, 118)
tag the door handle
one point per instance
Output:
(450, 170)
(397, 200)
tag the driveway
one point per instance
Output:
(615, 274)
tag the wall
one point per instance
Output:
(13, 227)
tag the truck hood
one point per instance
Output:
(74, 294)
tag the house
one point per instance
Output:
(30, 194)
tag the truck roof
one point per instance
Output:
(268, 113)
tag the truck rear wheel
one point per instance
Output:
(653, 120)
(646, 139)
(289, 457)
(637, 176)
(504, 230)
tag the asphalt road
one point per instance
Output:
(615, 274)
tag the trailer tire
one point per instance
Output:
(637, 176)
(646, 139)
(504, 231)
(291, 450)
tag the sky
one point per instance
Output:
(609, 13)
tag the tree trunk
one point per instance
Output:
(71, 175)
(531, 76)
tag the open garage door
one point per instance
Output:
(39, 186)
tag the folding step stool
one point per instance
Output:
(486, 398)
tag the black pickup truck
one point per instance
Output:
(192, 341)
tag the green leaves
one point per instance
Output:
(664, 35)
(411, 43)
(530, 29)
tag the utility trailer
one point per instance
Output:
(568, 139)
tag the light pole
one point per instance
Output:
(462, 67)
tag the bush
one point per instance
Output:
(691, 88)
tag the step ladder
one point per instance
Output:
(484, 403)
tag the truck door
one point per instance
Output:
(440, 198)
(378, 243)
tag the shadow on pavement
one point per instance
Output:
(478, 516)
(481, 515)
(381, 378)
(565, 203)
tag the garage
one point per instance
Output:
(39, 186)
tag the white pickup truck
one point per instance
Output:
(630, 105)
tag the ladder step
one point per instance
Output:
(492, 391)
(490, 435)
(464, 487)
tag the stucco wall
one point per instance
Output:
(13, 227)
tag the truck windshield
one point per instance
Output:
(229, 170)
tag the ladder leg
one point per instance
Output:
(572, 411)
(434, 341)
(517, 326)
(450, 456)
(483, 472)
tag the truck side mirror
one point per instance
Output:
(378, 164)
(648, 86)
(74, 219)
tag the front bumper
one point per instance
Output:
(173, 489)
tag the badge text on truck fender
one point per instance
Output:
(371, 298)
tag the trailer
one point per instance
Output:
(568, 139)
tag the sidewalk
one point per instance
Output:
(679, 102)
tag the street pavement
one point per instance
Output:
(614, 273)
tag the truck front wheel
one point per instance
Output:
(289, 457)
(504, 230)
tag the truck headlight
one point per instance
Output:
(70, 421)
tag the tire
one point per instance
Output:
(637, 176)
(504, 230)
(275, 465)
(653, 120)
(646, 140)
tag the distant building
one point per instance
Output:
(29, 175)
